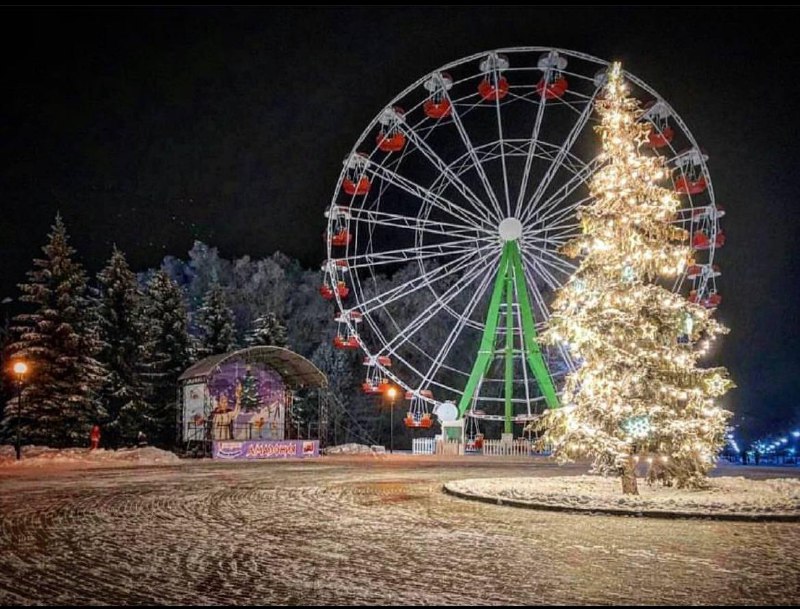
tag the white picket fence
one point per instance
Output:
(492, 448)
(497, 448)
(423, 446)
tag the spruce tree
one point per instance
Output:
(215, 319)
(121, 330)
(638, 394)
(167, 355)
(59, 341)
(268, 330)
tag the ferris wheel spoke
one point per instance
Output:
(415, 222)
(419, 225)
(566, 147)
(550, 258)
(537, 295)
(380, 301)
(558, 216)
(576, 181)
(559, 212)
(445, 171)
(534, 140)
(502, 144)
(542, 270)
(458, 327)
(563, 223)
(469, 217)
(476, 164)
(407, 254)
(422, 319)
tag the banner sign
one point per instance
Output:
(263, 449)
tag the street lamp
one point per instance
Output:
(20, 369)
(392, 393)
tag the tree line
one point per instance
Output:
(109, 351)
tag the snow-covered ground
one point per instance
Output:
(353, 449)
(728, 496)
(363, 531)
(43, 455)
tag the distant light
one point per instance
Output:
(796, 434)
(784, 440)
(391, 392)
(20, 368)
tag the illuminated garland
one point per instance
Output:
(639, 390)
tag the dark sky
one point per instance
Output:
(155, 126)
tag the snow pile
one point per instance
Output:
(727, 496)
(352, 449)
(43, 455)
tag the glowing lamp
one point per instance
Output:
(20, 368)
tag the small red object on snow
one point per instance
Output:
(94, 437)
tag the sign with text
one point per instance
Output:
(264, 449)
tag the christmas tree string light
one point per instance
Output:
(638, 395)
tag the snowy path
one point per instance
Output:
(359, 530)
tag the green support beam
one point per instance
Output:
(532, 348)
(511, 280)
(509, 354)
(486, 349)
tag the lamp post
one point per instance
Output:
(20, 369)
(392, 393)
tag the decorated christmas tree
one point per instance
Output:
(638, 393)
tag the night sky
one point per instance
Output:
(150, 128)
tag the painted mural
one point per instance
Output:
(248, 402)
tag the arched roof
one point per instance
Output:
(295, 370)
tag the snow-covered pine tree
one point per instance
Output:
(215, 320)
(267, 330)
(167, 354)
(59, 340)
(119, 312)
(638, 393)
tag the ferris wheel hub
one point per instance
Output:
(510, 229)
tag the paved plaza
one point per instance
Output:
(360, 530)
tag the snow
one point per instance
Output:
(353, 449)
(727, 496)
(43, 456)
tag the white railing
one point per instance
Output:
(491, 448)
(498, 448)
(423, 446)
(449, 447)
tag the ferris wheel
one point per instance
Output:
(444, 229)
